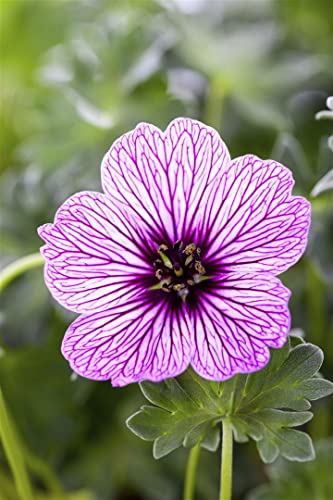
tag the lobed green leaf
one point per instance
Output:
(264, 406)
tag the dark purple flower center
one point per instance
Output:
(178, 268)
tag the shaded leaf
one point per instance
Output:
(305, 481)
(324, 184)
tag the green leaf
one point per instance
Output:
(264, 406)
(306, 481)
(324, 184)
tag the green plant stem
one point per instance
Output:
(214, 102)
(14, 453)
(191, 473)
(226, 461)
(18, 267)
(316, 305)
(42, 470)
(317, 333)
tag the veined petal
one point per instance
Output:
(236, 320)
(94, 257)
(165, 178)
(257, 225)
(139, 341)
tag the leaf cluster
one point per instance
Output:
(264, 406)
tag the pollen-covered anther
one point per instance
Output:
(199, 267)
(159, 274)
(165, 285)
(162, 248)
(178, 245)
(190, 249)
(178, 287)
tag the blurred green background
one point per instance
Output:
(74, 76)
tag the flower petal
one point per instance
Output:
(137, 341)
(258, 224)
(93, 257)
(165, 178)
(237, 319)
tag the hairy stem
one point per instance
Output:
(14, 454)
(191, 473)
(19, 267)
(226, 461)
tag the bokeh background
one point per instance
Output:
(74, 76)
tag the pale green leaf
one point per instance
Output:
(264, 406)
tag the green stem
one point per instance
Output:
(14, 453)
(18, 267)
(214, 102)
(316, 305)
(317, 333)
(226, 461)
(191, 473)
(45, 474)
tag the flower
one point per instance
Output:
(175, 264)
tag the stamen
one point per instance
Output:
(183, 294)
(159, 274)
(164, 284)
(165, 259)
(162, 248)
(178, 270)
(165, 287)
(188, 260)
(189, 249)
(178, 287)
(199, 267)
(178, 245)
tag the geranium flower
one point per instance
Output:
(175, 264)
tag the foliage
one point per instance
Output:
(309, 481)
(264, 406)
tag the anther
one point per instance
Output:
(199, 267)
(178, 287)
(159, 274)
(189, 249)
(162, 248)
(178, 245)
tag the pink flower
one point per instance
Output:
(175, 264)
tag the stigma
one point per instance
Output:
(178, 268)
